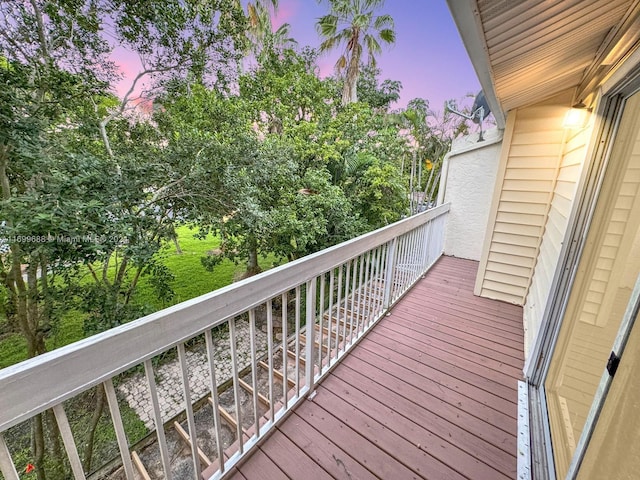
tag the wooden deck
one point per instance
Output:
(430, 392)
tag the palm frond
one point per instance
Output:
(328, 44)
(372, 45)
(383, 22)
(388, 35)
(327, 25)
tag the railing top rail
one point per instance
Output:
(37, 384)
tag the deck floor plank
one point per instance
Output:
(439, 309)
(371, 426)
(450, 364)
(430, 392)
(419, 435)
(419, 379)
(293, 461)
(258, 465)
(362, 449)
(445, 383)
(483, 342)
(420, 413)
(325, 453)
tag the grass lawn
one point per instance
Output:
(191, 280)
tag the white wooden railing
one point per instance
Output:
(342, 291)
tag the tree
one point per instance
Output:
(63, 175)
(379, 96)
(260, 31)
(354, 24)
(431, 134)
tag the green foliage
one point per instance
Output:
(379, 96)
(379, 193)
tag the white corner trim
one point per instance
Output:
(524, 438)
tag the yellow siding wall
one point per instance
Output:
(533, 151)
(569, 171)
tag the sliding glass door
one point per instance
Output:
(606, 275)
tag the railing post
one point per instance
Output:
(310, 333)
(390, 273)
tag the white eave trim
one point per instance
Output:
(467, 19)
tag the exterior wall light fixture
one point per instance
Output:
(577, 116)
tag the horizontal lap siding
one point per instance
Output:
(569, 170)
(526, 190)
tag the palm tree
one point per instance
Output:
(260, 31)
(354, 24)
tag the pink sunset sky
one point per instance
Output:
(428, 57)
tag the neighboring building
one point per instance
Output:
(562, 237)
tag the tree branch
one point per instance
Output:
(93, 273)
(44, 46)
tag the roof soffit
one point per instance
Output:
(527, 50)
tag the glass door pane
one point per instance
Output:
(608, 269)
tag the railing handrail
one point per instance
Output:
(33, 386)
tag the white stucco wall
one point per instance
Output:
(468, 179)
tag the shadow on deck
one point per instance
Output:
(430, 392)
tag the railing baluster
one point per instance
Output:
(121, 436)
(270, 357)
(426, 229)
(236, 384)
(424, 238)
(359, 309)
(310, 330)
(415, 258)
(440, 237)
(285, 337)
(7, 467)
(407, 263)
(338, 303)
(346, 302)
(376, 283)
(435, 247)
(157, 416)
(213, 386)
(184, 373)
(320, 319)
(68, 441)
(370, 286)
(389, 273)
(297, 341)
(254, 370)
(330, 315)
(354, 280)
(355, 296)
(379, 298)
(404, 271)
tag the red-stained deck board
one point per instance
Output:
(430, 392)
(322, 450)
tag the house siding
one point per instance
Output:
(532, 167)
(569, 171)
